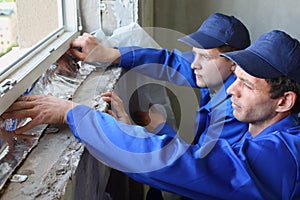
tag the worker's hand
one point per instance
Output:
(117, 108)
(87, 48)
(42, 109)
(150, 120)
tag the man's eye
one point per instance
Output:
(248, 86)
(206, 57)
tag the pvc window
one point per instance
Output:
(45, 30)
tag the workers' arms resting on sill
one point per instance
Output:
(165, 167)
(46, 109)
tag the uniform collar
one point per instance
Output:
(290, 121)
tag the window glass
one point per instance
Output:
(8, 22)
(26, 24)
(36, 20)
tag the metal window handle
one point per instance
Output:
(6, 85)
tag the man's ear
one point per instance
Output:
(286, 102)
(233, 66)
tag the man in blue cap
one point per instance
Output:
(264, 164)
(203, 69)
(266, 95)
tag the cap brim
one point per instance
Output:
(253, 64)
(201, 40)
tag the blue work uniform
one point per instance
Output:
(264, 167)
(214, 118)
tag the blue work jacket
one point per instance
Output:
(264, 167)
(214, 118)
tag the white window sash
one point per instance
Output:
(29, 66)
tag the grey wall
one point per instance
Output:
(260, 16)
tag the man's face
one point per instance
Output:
(210, 68)
(251, 99)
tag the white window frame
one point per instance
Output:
(29, 66)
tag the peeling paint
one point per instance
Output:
(125, 12)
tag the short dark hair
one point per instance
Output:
(226, 48)
(283, 84)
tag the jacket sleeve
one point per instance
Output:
(174, 66)
(168, 163)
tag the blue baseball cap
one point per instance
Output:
(218, 30)
(274, 54)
